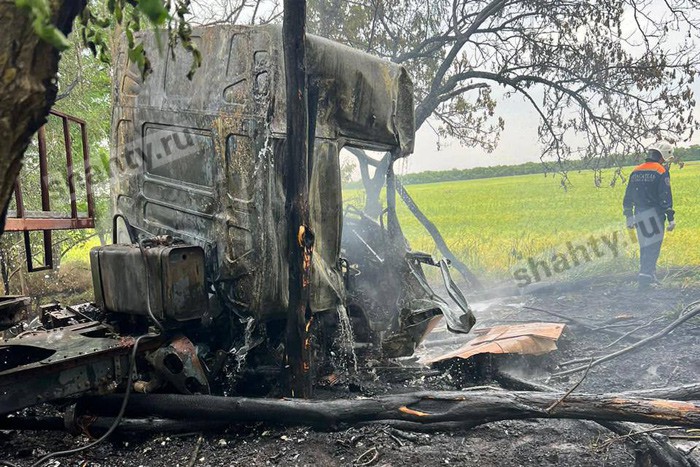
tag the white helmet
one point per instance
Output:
(664, 148)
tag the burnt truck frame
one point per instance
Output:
(200, 234)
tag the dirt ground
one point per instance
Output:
(668, 362)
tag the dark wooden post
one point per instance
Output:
(301, 238)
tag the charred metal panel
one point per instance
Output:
(179, 155)
(367, 100)
(39, 366)
(178, 364)
(326, 209)
(174, 283)
(388, 291)
(55, 316)
(223, 187)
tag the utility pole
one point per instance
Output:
(300, 235)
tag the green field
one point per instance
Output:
(492, 224)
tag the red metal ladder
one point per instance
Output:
(47, 220)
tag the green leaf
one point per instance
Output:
(50, 33)
(40, 12)
(137, 54)
(129, 37)
(196, 62)
(154, 10)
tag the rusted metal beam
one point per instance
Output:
(71, 118)
(69, 167)
(88, 171)
(43, 171)
(29, 224)
(48, 220)
(45, 206)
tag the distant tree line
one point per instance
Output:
(691, 153)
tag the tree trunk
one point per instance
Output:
(423, 409)
(373, 208)
(28, 68)
(437, 237)
(392, 220)
(373, 184)
(4, 271)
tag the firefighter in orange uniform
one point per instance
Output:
(647, 205)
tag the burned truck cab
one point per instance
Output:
(200, 158)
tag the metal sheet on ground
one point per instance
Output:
(524, 339)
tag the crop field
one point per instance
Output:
(496, 224)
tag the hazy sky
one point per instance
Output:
(518, 142)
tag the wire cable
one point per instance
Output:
(117, 420)
(129, 228)
(155, 320)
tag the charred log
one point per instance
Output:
(469, 408)
(651, 449)
(687, 392)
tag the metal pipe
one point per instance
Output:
(69, 168)
(88, 171)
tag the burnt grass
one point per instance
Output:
(670, 361)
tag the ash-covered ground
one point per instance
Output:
(614, 302)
